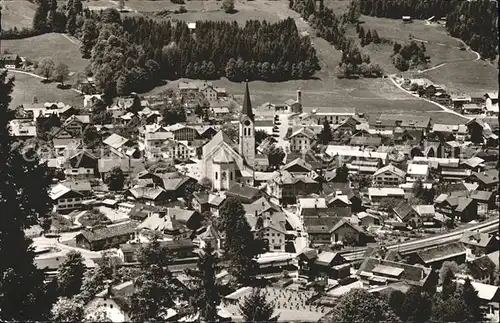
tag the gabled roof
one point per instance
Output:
(149, 193)
(440, 252)
(244, 191)
(159, 221)
(487, 177)
(482, 196)
(345, 221)
(392, 169)
(304, 131)
(463, 203)
(403, 209)
(325, 258)
(109, 231)
(59, 191)
(300, 162)
(424, 210)
(220, 137)
(413, 275)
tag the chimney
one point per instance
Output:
(299, 96)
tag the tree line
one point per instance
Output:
(332, 28)
(475, 22)
(408, 55)
(133, 54)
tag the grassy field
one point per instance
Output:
(17, 13)
(56, 46)
(26, 87)
(466, 77)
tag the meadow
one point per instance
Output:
(17, 13)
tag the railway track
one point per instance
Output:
(487, 226)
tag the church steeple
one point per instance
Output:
(247, 105)
(247, 130)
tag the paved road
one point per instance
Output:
(444, 108)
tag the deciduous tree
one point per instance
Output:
(116, 179)
(61, 73)
(46, 67)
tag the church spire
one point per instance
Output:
(247, 105)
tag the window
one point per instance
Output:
(216, 175)
(272, 234)
(231, 176)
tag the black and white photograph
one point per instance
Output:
(249, 161)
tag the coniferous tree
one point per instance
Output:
(70, 274)
(205, 298)
(326, 133)
(154, 291)
(255, 308)
(24, 202)
(239, 244)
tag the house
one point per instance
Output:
(478, 244)
(406, 19)
(367, 219)
(435, 256)
(465, 209)
(417, 172)
(485, 201)
(459, 100)
(65, 199)
(179, 249)
(347, 233)
(389, 176)
(286, 187)
(150, 194)
(82, 164)
(318, 263)
(76, 124)
(377, 194)
(165, 224)
(302, 140)
(10, 61)
(271, 228)
(106, 237)
(426, 213)
(208, 235)
(182, 132)
(483, 268)
(117, 143)
(491, 103)
(475, 164)
(391, 121)
(114, 301)
(215, 202)
(200, 202)
(407, 214)
(376, 272)
(22, 129)
(487, 180)
(334, 115)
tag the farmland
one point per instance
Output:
(57, 46)
(26, 87)
(17, 13)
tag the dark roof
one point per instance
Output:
(366, 141)
(481, 267)
(403, 209)
(243, 191)
(345, 221)
(441, 252)
(140, 211)
(487, 177)
(320, 224)
(413, 275)
(109, 232)
(247, 104)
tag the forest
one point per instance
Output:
(132, 54)
(331, 27)
(475, 22)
